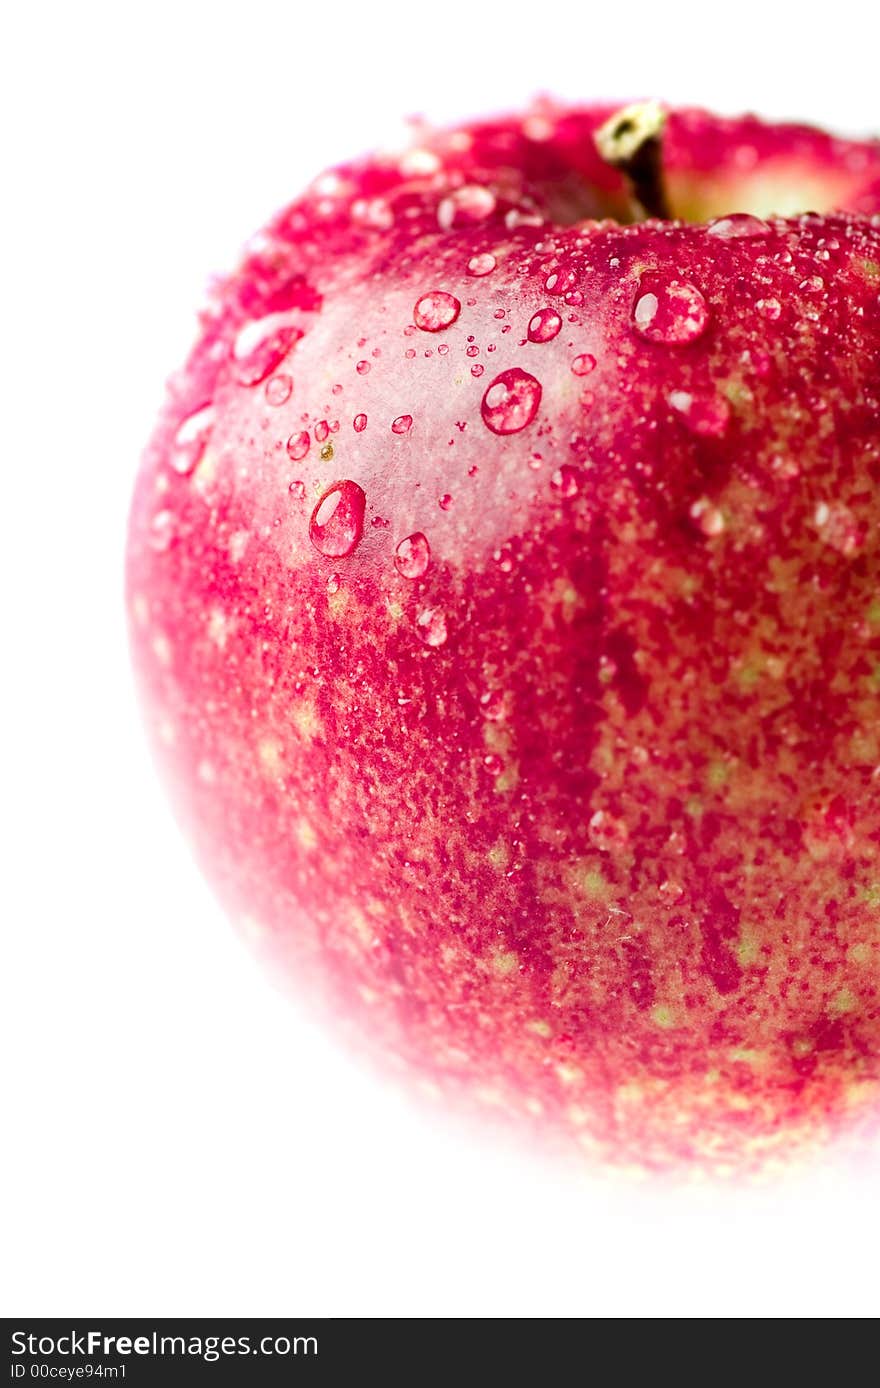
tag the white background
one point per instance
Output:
(179, 1142)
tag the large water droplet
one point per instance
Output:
(737, 227)
(465, 206)
(670, 311)
(483, 264)
(337, 522)
(511, 401)
(412, 556)
(583, 364)
(298, 446)
(191, 440)
(435, 311)
(544, 325)
(261, 346)
(431, 626)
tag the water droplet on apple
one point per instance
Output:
(402, 424)
(511, 401)
(706, 416)
(738, 226)
(435, 311)
(583, 364)
(707, 517)
(279, 389)
(544, 325)
(337, 522)
(838, 527)
(261, 346)
(191, 440)
(412, 556)
(607, 833)
(670, 311)
(359, 423)
(163, 531)
(465, 207)
(298, 446)
(483, 264)
(431, 626)
(769, 309)
(565, 481)
(493, 705)
(372, 212)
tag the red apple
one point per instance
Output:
(503, 578)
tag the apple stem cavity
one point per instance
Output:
(632, 141)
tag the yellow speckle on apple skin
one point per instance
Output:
(663, 1017)
(499, 855)
(306, 721)
(747, 948)
(306, 835)
(843, 1002)
(569, 1074)
(540, 1028)
(504, 963)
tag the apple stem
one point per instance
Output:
(631, 141)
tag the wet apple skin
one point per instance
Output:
(581, 824)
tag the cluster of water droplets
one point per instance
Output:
(666, 309)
